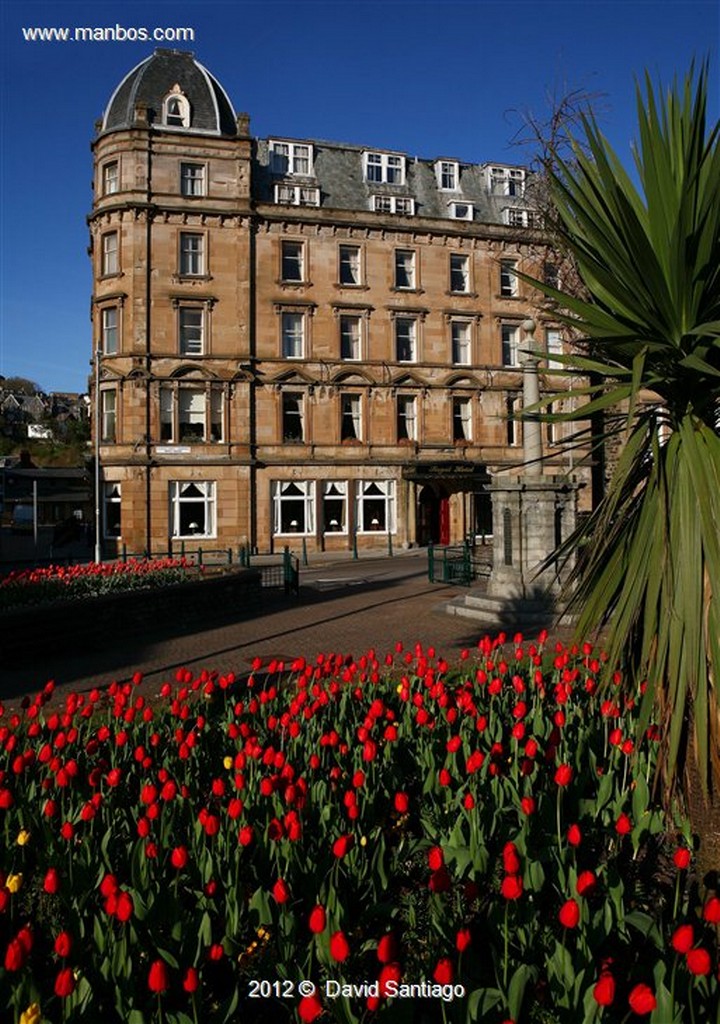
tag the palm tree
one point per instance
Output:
(649, 259)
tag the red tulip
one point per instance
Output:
(125, 907)
(15, 955)
(51, 884)
(642, 1000)
(604, 991)
(443, 973)
(463, 939)
(179, 857)
(623, 825)
(387, 949)
(569, 915)
(563, 775)
(64, 983)
(339, 948)
(281, 891)
(158, 980)
(711, 910)
(574, 835)
(401, 803)
(587, 880)
(342, 845)
(512, 887)
(698, 961)
(63, 944)
(390, 972)
(436, 858)
(683, 938)
(191, 980)
(511, 861)
(317, 919)
(309, 1008)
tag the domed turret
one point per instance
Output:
(177, 93)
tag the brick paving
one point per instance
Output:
(344, 607)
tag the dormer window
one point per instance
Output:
(291, 158)
(448, 175)
(462, 211)
(506, 181)
(176, 109)
(517, 217)
(384, 168)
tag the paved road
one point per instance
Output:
(344, 607)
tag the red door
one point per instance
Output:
(444, 520)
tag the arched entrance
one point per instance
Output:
(433, 517)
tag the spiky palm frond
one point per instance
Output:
(649, 257)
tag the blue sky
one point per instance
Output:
(428, 78)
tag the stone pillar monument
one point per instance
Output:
(532, 514)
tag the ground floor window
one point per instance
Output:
(192, 508)
(293, 507)
(334, 508)
(376, 506)
(111, 510)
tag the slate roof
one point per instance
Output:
(149, 83)
(339, 174)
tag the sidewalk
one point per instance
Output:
(345, 606)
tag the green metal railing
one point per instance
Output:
(456, 564)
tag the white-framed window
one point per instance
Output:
(191, 414)
(350, 267)
(191, 330)
(405, 268)
(517, 217)
(192, 179)
(407, 418)
(376, 506)
(351, 427)
(108, 415)
(506, 181)
(508, 278)
(297, 195)
(510, 345)
(334, 506)
(350, 336)
(293, 504)
(292, 262)
(406, 339)
(448, 175)
(404, 206)
(112, 507)
(290, 158)
(109, 324)
(292, 329)
(192, 508)
(554, 343)
(192, 254)
(461, 342)
(111, 178)
(462, 419)
(110, 253)
(293, 417)
(459, 272)
(384, 168)
(176, 110)
(462, 211)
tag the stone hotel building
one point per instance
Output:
(298, 339)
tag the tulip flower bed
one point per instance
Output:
(349, 840)
(59, 582)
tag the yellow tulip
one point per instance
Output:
(31, 1015)
(13, 882)
(227, 763)
(23, 837)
